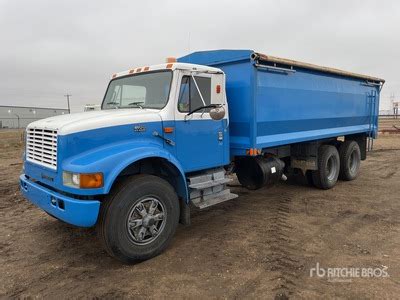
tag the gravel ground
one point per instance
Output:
(262, 244)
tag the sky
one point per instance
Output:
(51, 48)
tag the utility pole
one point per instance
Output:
(12, 113)
(392, 97)
(68, 95)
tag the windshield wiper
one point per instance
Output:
(112, 104)
(203, 107)
(138, 104)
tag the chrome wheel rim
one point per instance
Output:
(354, 162)
(331, 168)
(146, 220)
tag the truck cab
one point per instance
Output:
(163, 126)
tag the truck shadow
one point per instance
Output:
(74, 245)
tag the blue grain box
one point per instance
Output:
(274, 101)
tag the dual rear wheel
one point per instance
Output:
(333, 164)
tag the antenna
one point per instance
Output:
(392, 97)
(189, 45)
(189, 42)
(68, 95)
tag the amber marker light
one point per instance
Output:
(253, 152)
(171, 59)
(90, 181)
(168, 129)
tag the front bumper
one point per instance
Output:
(82, 213)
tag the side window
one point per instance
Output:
(204, 84)
(184, 102)
(189, 97)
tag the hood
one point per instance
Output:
(71, 123)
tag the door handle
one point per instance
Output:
(168, 141)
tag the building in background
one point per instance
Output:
(90, 107)
(21, 116)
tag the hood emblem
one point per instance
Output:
(139, 128)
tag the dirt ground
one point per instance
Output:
(260, 245)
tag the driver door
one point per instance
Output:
(200, 140)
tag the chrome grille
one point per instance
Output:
(41, 147)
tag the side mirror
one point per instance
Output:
(217, 113)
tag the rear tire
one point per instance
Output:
(328, 167)
(350, 160)
(139, 218)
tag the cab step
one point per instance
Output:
(209, 183)
(209, 188)
(206, 201)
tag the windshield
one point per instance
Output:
(146, 90)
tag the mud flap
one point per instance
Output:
(184, 217)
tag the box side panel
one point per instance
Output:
(308, 105)
(272, 108)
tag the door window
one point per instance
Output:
(189, 97)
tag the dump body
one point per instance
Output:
(274, 102)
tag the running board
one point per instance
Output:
(206, 201)
(209, 188)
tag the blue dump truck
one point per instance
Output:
(170, 136)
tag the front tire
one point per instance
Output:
(139, 218)
(328, 167)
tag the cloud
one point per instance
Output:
(50, 48)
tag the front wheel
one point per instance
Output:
(139, 218)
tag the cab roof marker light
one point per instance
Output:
(131, 71)
(171, 59)
(114, 75)
(169, 66)
(146, 68)
(138, 70)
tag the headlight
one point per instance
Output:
(83, 181)
(76, 179)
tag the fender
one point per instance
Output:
(112, 159)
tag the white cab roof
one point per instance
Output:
(168, 66)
